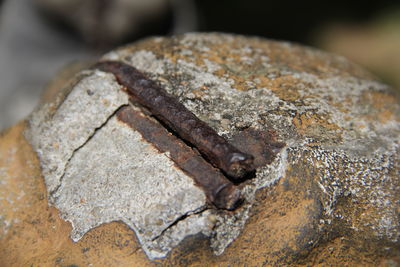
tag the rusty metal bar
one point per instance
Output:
(218, 189)
(177, 117)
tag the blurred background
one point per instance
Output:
(39, 37)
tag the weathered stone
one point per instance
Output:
(331, 195)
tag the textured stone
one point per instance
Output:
(126, 179)
(330, 196)
(59, 129)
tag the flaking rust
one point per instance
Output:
(263, 145)
(218, 189)
(177, 117)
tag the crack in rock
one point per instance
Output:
(56, 136)
(51, 195)
(126, 179)
(180, 219)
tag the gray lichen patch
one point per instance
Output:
(366, 188)
(337, 100)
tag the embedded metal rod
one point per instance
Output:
(183, 122)
(217, 188)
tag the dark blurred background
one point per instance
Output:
(39, 37)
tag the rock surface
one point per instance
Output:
(330, 196)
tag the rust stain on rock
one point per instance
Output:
(263, 145)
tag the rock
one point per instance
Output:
(324, 133)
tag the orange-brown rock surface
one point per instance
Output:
(329, 197)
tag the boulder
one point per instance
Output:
(80, 185)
